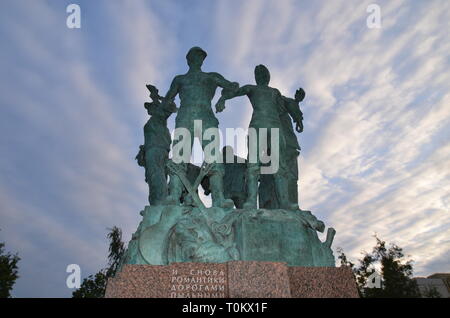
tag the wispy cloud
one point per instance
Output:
(375, 155)
(68, 141)
(375, 151)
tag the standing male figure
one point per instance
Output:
(196, 90)
(265, 101)
(289, 108)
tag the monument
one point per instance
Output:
(234, 248)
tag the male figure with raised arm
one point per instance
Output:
(196, 90)
(266, 102)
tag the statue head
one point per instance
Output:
(195, 56)
(262, 75)
(299, 95)
(151, 108)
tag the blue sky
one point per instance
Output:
(375, 150)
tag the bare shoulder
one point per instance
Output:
(178, 78)
(217, 77)
(276, 91)
(248, 87)
(215, 74)
(247, 90)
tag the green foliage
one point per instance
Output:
(116, 250)
(396, 272)
(94, 286)
(8, 271)
(431, 292)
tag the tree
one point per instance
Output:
(396, 272)
(116, 251)
(8, 271)
(94, 286)
(431, 292)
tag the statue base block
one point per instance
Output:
(234, 279)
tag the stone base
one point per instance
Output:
(235, 279)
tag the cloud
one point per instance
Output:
(376, 114)
(375, 151)
(69, 140)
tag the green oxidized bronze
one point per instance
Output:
(177, 227)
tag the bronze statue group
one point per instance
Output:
(236, 182)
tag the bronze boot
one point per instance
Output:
(175, 191)
(218, 200)
(252, 188)
(282, 191)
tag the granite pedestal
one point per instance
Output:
(234, 279)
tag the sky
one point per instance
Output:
(375, 155)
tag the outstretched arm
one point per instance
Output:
(167, 101)
(224, 83)
(229, 94)
(229, 88)
(293, 108)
